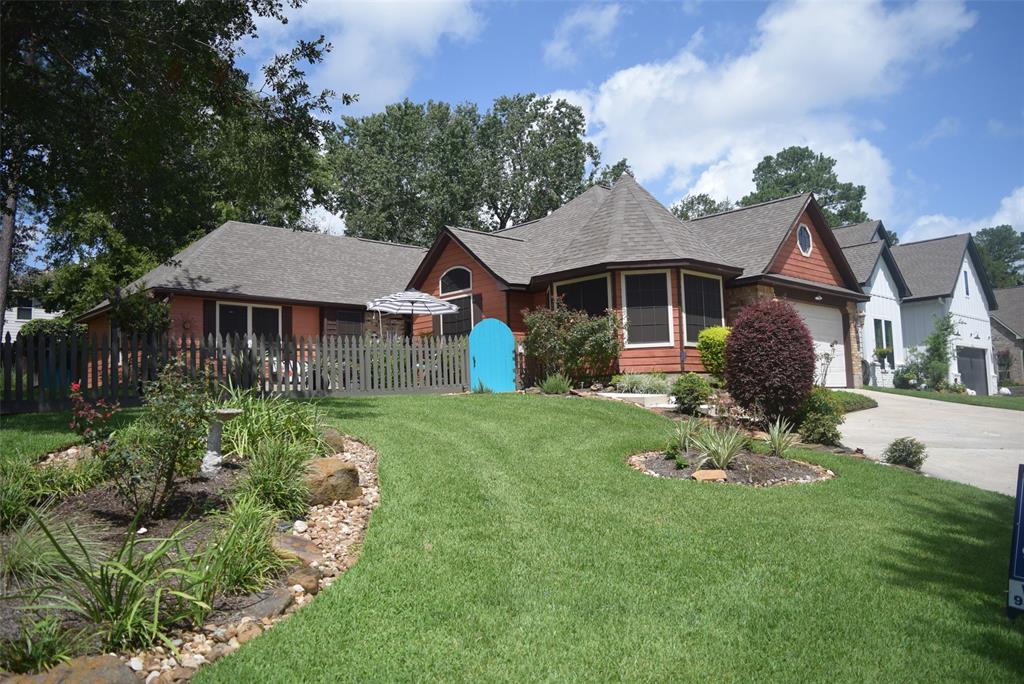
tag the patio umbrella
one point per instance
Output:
(409, 302)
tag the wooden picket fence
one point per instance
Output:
(37, 371)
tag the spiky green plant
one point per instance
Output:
(39, 645)
(719, 447)
(266, 417)
(276, 475)
(556, 383)
(781, 437)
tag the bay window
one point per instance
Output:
(702, 304)
(647, 305)
(587, 294)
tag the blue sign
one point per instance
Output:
(1015, 600)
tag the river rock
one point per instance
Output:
(83, 670)
(296, 548)
(330, 480)
(306, 577)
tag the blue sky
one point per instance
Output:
(923, 103)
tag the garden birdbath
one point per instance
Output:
(213, 457)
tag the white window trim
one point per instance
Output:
(442, 293)
(607, 277)
(625, 310)
(467, 294)
(810, 238)
(682, 301)
(248, 315)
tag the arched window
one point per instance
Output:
(456, 279)
(803, 239)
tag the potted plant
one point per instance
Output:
(882, 354)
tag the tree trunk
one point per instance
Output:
(7, 246)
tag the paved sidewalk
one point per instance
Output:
(972, 444)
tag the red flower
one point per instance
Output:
(75, 386)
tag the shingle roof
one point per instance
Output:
(931, 267)
(858, 233)
(624, 224)
(248, 260)
(862, 258)
(1011, 308)
(751, 235)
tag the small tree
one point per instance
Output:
(569, 342)
(937, 354)
(137, 311)
(769, 359)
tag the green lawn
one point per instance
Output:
(35, 434)
(514, 544)
(851, 401)
(1015, 403)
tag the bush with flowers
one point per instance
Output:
(91, 420)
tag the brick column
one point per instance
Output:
(739, 297)
(854, 357)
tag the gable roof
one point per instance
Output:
(600, 227)
(863, 259)
(266, 262)
(859, 233)
(1011, 309)
(932, 267)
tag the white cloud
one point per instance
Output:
(587, 26)
(945, 127)
(375, 44)
(1010, 211)
(703, 125)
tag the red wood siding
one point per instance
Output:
(664, 359)
(187, 317)
(517, 301)
(484, 284)
(818, 267)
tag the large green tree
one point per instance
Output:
(130, 124)
(1002, 253)
(534, 157)
(405, 173)
(794, 170)
(701, 204)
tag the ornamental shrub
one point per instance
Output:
(907, 452)
(642, 383)
(562, 340)
(56, 327)
(711, 344)
(690, 391)
(556, 383)
(769, 359)
(90, 420)
(820, 416)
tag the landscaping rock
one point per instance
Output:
(271, 606)
(300, 526)
(306, 577)
(331, 479)
(248, 633)
(83, 670)
(710, 476)
(296, 548)
(335, 440)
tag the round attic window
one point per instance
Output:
(803, 239)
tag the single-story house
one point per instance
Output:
(250, 279)
(619, 248)
(22, 309)
(1008, 335)
(865, 247)
(946, 275)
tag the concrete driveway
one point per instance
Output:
(972, 444)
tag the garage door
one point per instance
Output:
(826, 326)
(970, 363)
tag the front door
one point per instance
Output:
(973, 370)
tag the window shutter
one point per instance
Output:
(328, 321)
(209, 317)
(286, 321)
(436, 321)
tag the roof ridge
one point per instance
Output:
(749, 206)
(487, 232)
(643, 207)
(934, 239)
(378, 242)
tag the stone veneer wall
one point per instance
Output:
(854, 356)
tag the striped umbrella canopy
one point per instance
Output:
(411, 302)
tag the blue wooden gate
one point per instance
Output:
(492, 360)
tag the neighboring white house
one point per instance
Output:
(945, 275)
(23, 309)
(881, 321)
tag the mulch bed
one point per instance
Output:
(753, 470)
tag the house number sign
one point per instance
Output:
(1015, 600)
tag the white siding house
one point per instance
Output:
(22, 310)
(945, 276)
(881, 321)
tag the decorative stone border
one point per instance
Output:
(326, 544)
(639, 462)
